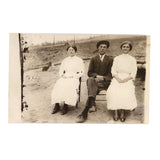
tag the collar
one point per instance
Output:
(71, 57)
(101, 57)
(123, 54)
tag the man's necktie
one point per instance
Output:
(101, 56)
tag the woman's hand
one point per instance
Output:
(122, 80)
(63, 76)
(67, 76)
(118, 79)
(127, 79)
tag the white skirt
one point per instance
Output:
(121, 95)
(65, 90)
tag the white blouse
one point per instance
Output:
(72, 66)
(124, 66)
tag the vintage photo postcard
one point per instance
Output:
(78, 78)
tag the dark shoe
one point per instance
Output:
(83, 116)
(123, 119)
(65, 109)
(81, 119)
(56, 108)
(115, 115)
(122, 116)
(93, 109)
(115, 118)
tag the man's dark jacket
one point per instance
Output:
(96, 67)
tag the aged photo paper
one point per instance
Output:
(35, 61)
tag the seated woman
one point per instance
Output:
(121, 92)
(65, 89)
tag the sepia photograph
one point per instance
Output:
(79, 78)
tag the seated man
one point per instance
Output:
(99, 74)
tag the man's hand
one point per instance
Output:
(99, 78)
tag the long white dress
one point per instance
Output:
(65, 89)
(122, 95)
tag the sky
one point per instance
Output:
(53, 38)
(37, 38)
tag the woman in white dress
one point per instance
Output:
(65, 90)
(121, 92)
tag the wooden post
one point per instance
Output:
(74, 39)
(21, 64)
(54, 40)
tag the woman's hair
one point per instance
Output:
(103, 42)
(74, 47)
(126, 42)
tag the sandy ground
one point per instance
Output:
(37, 91)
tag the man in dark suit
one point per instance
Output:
(99, 73)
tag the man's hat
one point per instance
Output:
(103, 42)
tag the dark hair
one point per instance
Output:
(103, 42)
(127, 42)
(74, 47)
